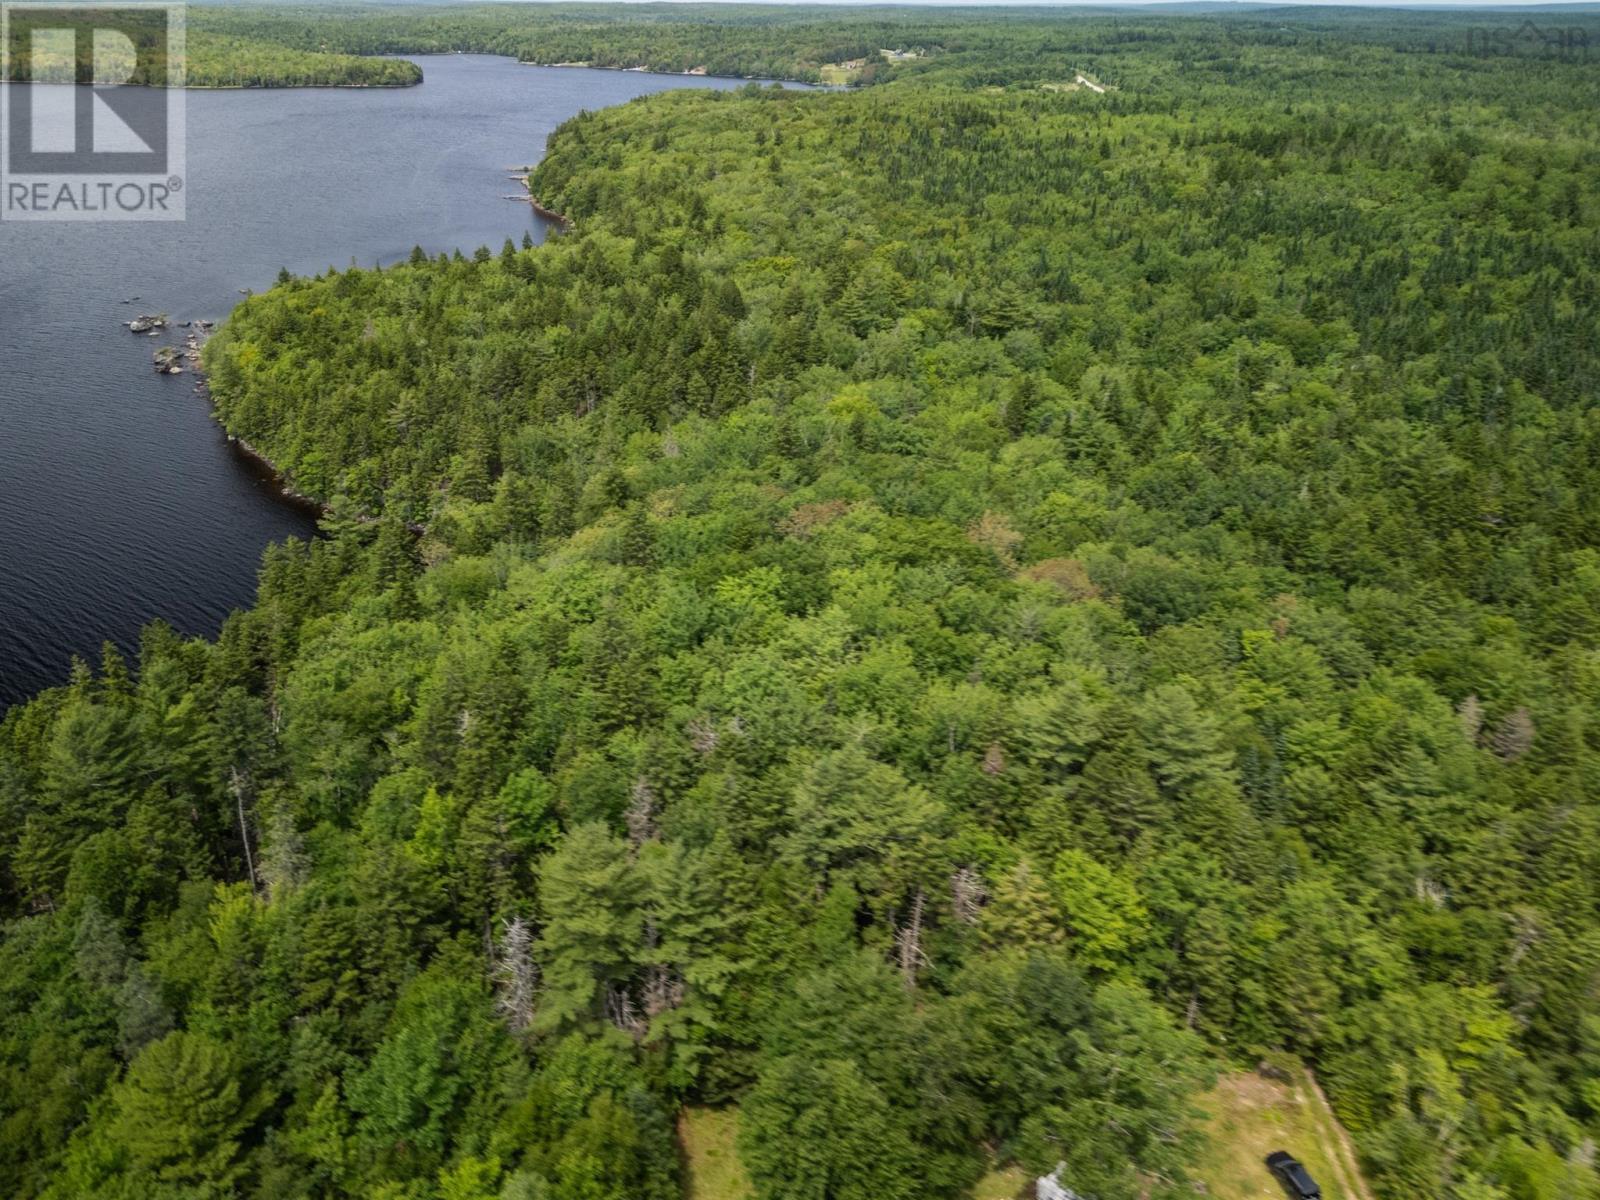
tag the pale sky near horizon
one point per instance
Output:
(1591, 5)
(1441, 5)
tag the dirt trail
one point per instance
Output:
(1249, 1116)
(1344, 1159)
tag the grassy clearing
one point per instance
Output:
(715, 1172)
(839, 74)
(1006, 1184)
(709, 1136)
(1249, 1116)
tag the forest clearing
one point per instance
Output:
(711, 1157)
(1249, 1115)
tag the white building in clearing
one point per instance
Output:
(1048, 1187)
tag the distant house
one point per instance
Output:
(1049, 1187)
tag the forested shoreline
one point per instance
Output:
(211, 58)
(357, 44)
(941, 614)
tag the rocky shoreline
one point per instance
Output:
(265, 468)
(521, 175)
(172, 360)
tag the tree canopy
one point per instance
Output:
(941, 613)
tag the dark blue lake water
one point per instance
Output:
(120, 500)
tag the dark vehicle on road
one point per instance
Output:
(1293, 1176)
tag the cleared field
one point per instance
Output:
(708, 1136)
(1249, 1116)
(1009, 1183)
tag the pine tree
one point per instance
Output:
(638, 538)
(115, 684)
(1021, 913)
(1184, 742)
(182, 1112)
(1116, 784)
(590, 897)
(814, 1129)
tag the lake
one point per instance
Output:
(120, 500)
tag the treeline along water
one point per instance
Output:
(120, 500)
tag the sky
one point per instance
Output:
(1567, 5)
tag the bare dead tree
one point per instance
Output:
(994, 759)
(516, 975)
(1527, 932)
(1470, 713)
(1513, 735)
(703, 737)
(908, 943)
(663, 989)
(967, 895)
(237, 784)
(284, 865)
(1430, 891)
(622, 1012)
(641, 814)
(663, 985)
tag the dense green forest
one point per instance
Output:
(943, 613)
(291, 45)
(800, 43)
(211, 58)
(227, 61)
